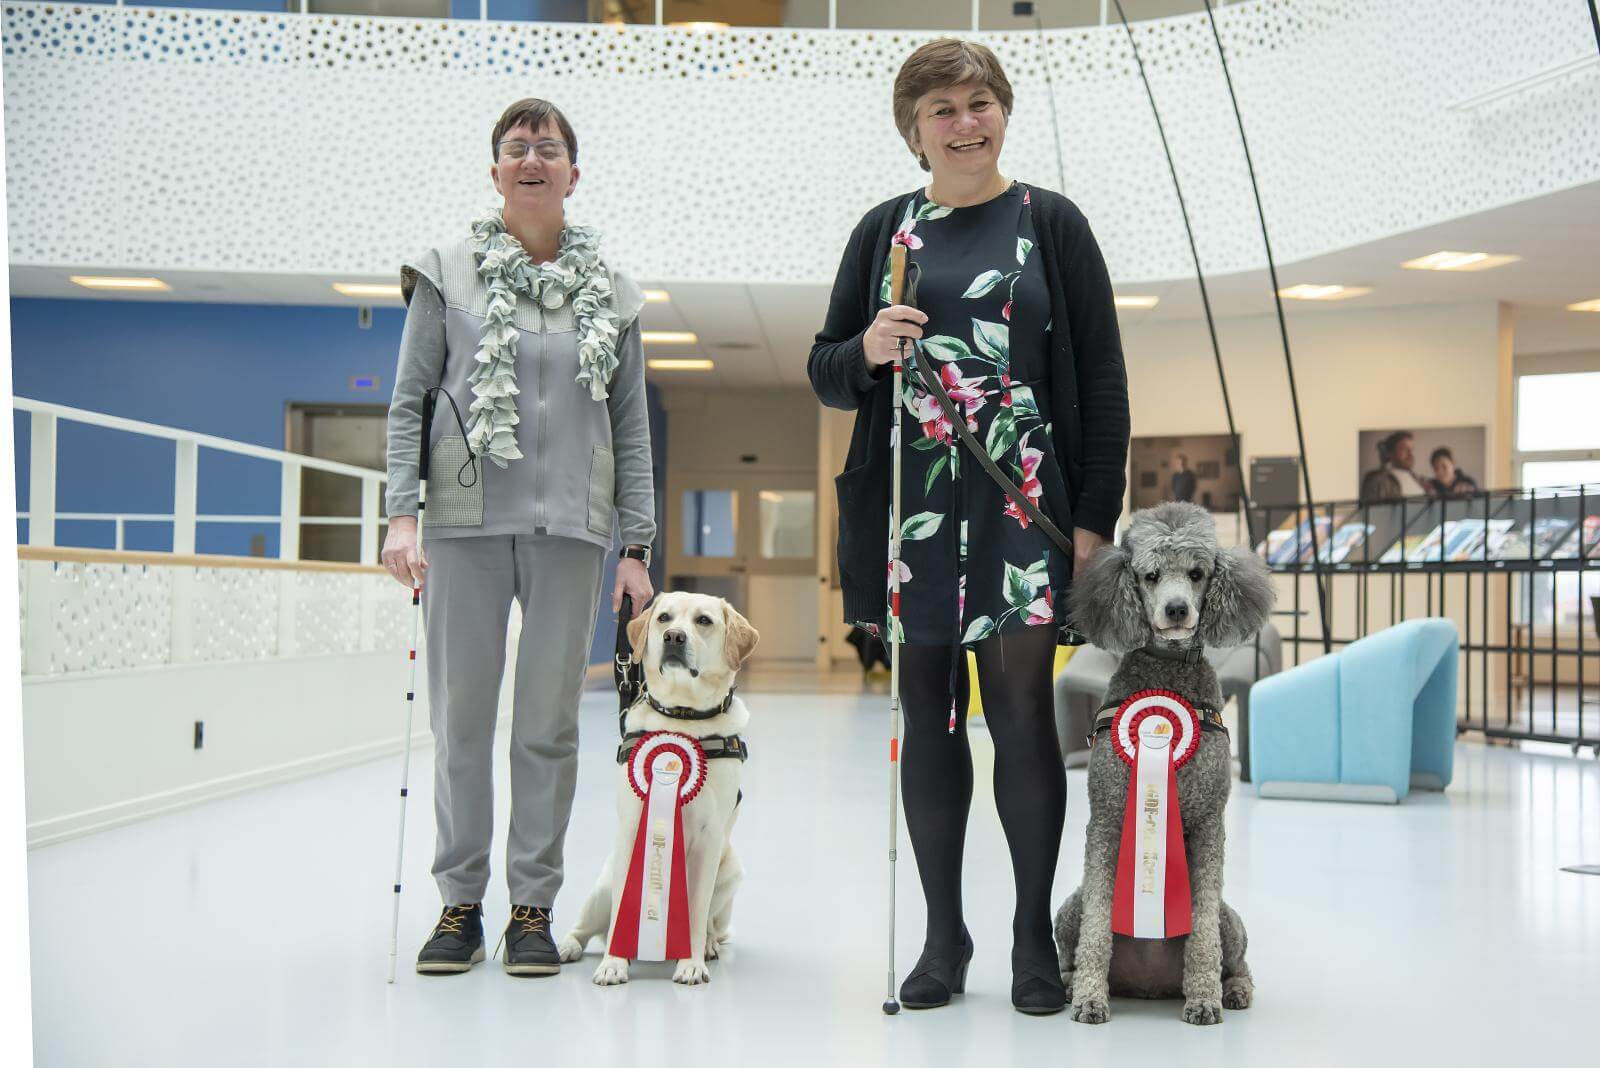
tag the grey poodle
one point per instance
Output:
(1159, 598)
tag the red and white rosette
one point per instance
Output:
(667, 770)
(1155, 732)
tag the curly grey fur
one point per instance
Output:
(1116, 607)
(1112, 605)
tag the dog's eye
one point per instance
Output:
(704, 621)
(663, 617)
(1151, 576)
(1195, 575)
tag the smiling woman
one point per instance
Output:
(541, 452)
(1015, 323)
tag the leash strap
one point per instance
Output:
(931, 383)
(628, 675)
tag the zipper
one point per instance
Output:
(538, 458)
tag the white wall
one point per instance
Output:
(108, 747)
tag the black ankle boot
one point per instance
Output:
(939, 973)
(1036, 986)
(529, 948)
(456, 943)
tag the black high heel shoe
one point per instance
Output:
(939, 974)
(1036, 986)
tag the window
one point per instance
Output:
(1558, 448)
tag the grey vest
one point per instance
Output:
(570, 480)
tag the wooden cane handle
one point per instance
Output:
(897, 273)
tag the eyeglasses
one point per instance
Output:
(549, 150)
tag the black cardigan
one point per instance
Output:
(1088, 392)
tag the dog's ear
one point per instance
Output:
(739, 639)
(1105, 604)
(1239, 599)
(638, 632)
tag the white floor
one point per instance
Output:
(254, 931)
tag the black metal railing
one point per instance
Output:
(1502, 564)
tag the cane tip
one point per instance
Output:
(891, 1007)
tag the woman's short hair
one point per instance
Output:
(1441, 451)
(535, 113)
(940, 64)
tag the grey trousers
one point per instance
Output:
(470, 586)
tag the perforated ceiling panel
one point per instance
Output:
(207, 140)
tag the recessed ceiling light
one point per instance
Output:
(1305, 291)
(1585, 305)
(669, 337)
(664, 364)
(1136, 302)
(368, 289)
(1459, 261)
(657, 296)
(89, 281)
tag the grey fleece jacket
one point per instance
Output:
(585, 470)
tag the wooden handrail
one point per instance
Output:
(68, 555)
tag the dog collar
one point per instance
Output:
(1189, 655)
(684, 712)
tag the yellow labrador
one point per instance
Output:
(691, 645)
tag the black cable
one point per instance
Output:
(1594, 17)
(1283, 330)
(1050, 90)
(1205, 299)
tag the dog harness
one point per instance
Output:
(1210, 720)
(715, 745)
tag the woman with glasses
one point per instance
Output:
(538, 452)
(1014, 316)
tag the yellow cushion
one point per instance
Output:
(975, 701)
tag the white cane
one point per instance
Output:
(429, 398)
(897, 281)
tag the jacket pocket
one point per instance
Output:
(856, 547)
(455, 485)
(602, 489)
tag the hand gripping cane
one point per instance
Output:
(429, 399)
(897, 283)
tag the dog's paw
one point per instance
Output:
(691, 972)
(1066, 981)
(613, 971)
(569, 950)
(713, 949)
(1238, 992)
(1202, 1011)
(1091, 1011)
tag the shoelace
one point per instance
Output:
(450, 922)
(532, 919)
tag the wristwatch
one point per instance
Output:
(640, 553)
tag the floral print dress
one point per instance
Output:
(971, 562)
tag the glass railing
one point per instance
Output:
(1551, 527)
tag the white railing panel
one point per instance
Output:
(90, 617)
(42, 479)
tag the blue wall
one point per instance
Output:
(223, 369)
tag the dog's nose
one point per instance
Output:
(675, 639)
(1177, 611)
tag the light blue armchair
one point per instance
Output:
(1366, 723)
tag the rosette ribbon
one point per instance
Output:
(666, 771)
(1155, 732)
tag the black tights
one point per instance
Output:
(1030, 785)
